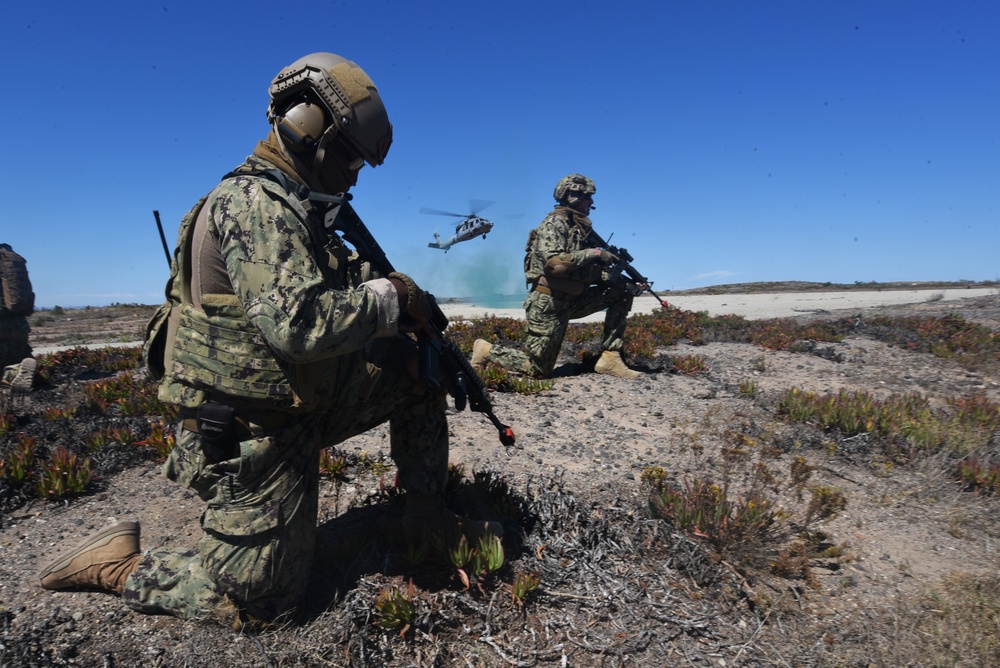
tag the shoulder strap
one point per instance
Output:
(305, 196)
(181, 269)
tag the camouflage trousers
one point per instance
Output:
(259, 526)
(14, 346)
(547, 320)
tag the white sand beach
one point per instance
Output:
(755, 306)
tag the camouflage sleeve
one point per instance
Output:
(273, 265)
(554, 241)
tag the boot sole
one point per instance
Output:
(98, 540)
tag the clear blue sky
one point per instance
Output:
(729, 141)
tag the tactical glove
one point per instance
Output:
(607, 257)
(415, 308)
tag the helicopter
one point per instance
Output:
(472, 226)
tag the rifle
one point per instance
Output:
(636, 283)
(434, 347)
(163, 239)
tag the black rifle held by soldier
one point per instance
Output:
(435, 349)
(636, 283)
(163, 239)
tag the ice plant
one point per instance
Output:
(689, 364)
(57, 413)
(395, 608)
(6, 422)
(161, 438)
(332, 465)
(523, 584)
(64, 474)
(97, 440)
(703, 509)
(18, 468)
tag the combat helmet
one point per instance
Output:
(573, 183)
(325, 103)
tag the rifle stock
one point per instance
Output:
(435, 350)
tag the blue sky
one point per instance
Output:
(729, 141)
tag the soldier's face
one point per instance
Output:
(341, 166)
(580, 202)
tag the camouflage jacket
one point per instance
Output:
(291, 331)
(562, 232)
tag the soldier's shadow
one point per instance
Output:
(367, 540)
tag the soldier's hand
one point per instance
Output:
(418, 316)
(607, 257)
(413, 303)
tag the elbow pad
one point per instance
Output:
(560, 266)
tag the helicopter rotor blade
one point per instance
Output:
(439, 212)
(477, 205)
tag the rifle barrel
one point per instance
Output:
(163, 238)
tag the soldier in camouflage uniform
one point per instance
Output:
(567, 279)
(276, 342)
(17, 302)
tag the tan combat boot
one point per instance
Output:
(480, 353)
(24, 380)
(611, 364)
(103, 561)
(428, 513)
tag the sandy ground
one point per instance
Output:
(616, 589)
(751, 306)
(757, 306)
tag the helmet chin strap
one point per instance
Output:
(318, 156)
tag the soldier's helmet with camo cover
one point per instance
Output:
(573, 183)
(325, 106)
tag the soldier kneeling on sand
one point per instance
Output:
(17, 302)
(275, 344)
(566, 276)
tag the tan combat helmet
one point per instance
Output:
(323, 97)
(573, 183)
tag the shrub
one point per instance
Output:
(979, 476)
(826, 502)
(950, 337)
(905, 423)
(703, 509)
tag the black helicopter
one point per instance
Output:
(472, 225)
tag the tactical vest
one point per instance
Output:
(535, 260)
(200, 354)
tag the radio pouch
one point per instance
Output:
(215, 426)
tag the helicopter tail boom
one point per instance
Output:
(438, 244)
